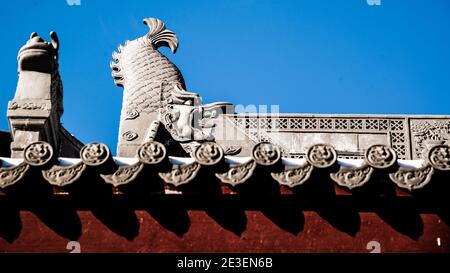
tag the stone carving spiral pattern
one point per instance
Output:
(321, 155)
(129, 135)
(380, 156)
(439, 157)
(38, 153)
(208, 153)
(151, 152)
(95, 154)
(265, 153)
(131, 114)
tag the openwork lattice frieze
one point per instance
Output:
(410, 137)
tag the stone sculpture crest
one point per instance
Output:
(155, 93)
(35, 112)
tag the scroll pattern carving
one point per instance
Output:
(237, 174)
(181, 174)
(9, 176)
(412, 179)
(352, 178)
(293, 177)
(123, 175)
(62, 176)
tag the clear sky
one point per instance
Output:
(315, 56)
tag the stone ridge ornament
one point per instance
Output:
(321, 156)
(181, 174)
(9, 176)
(151, 152)
(63, 176)
(439, 157)
(352, 177)
(95, 154)
(381, 156)
(412, 179)
(294, 176)
(38, 153)
(208, 153)
(154, 90)
(266, 153)
(35, 111)
(123, 175)
(237, 174)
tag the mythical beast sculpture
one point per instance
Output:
(155, 93)
(35, 111)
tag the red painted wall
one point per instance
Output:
(199, 231)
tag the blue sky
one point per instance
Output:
(315, 56)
